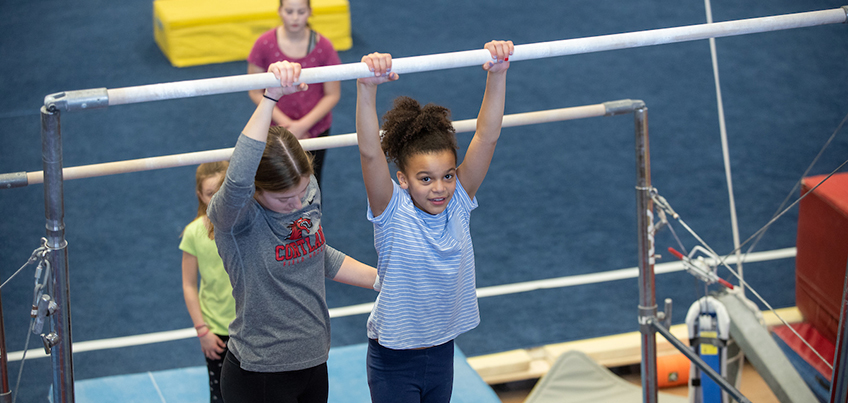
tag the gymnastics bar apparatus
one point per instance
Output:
(650, 321)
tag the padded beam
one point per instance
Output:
(764, 353)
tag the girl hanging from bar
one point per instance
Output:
(425, 256)
(267, 219)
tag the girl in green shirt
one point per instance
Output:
(211, 306)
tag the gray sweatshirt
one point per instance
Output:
(277, 264)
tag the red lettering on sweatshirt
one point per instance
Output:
(301, 247)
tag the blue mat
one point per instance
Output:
(817, 382)
(348, 383)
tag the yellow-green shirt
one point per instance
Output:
(215, 292)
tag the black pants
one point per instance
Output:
(303, 386)
(318, 158)
(214, 367)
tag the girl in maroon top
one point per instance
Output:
(306, 114)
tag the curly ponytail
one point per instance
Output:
(409, 129)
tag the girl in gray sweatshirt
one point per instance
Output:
(267, 218)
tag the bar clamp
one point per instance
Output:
(78, 100)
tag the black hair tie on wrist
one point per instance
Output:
(275, 100)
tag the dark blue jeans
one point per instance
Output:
(401, 376)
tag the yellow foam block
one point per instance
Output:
(193, 32)
(497, 364)
(619, 349)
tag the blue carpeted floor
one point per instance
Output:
(558, 199)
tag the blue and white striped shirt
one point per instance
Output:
(426, 273)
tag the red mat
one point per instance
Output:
(824, 346)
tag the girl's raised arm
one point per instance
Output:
(288, 74)
(278, 117)
(375, 168)
(479, 155)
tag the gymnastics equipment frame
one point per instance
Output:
(839, 386)
(649, 319)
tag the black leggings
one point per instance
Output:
(303, 386)
(214, 367)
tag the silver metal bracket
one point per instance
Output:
(13, 180)
(622, 107)
(49, 341)
(647, 315)
(46, 306)
(78, 100)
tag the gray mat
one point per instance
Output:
(576, 378)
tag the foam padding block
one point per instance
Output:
(822, 252)
(349, 381)
(331, 18)
(175, 385)
(812, 337)
(672, 370)
(194, 32)
(576, 378)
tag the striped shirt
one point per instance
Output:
(426, 278)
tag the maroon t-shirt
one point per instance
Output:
(266, 52)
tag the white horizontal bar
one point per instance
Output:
(318, 143)
(361, 309)
(137, 165)
(441, 61)
(351, 310)
(116, 342)
(613, 275)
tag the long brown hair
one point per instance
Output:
(206, 171)
(283, 163)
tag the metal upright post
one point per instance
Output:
(54, 211)
(645, 234)
(839, 387)
(5, 391)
